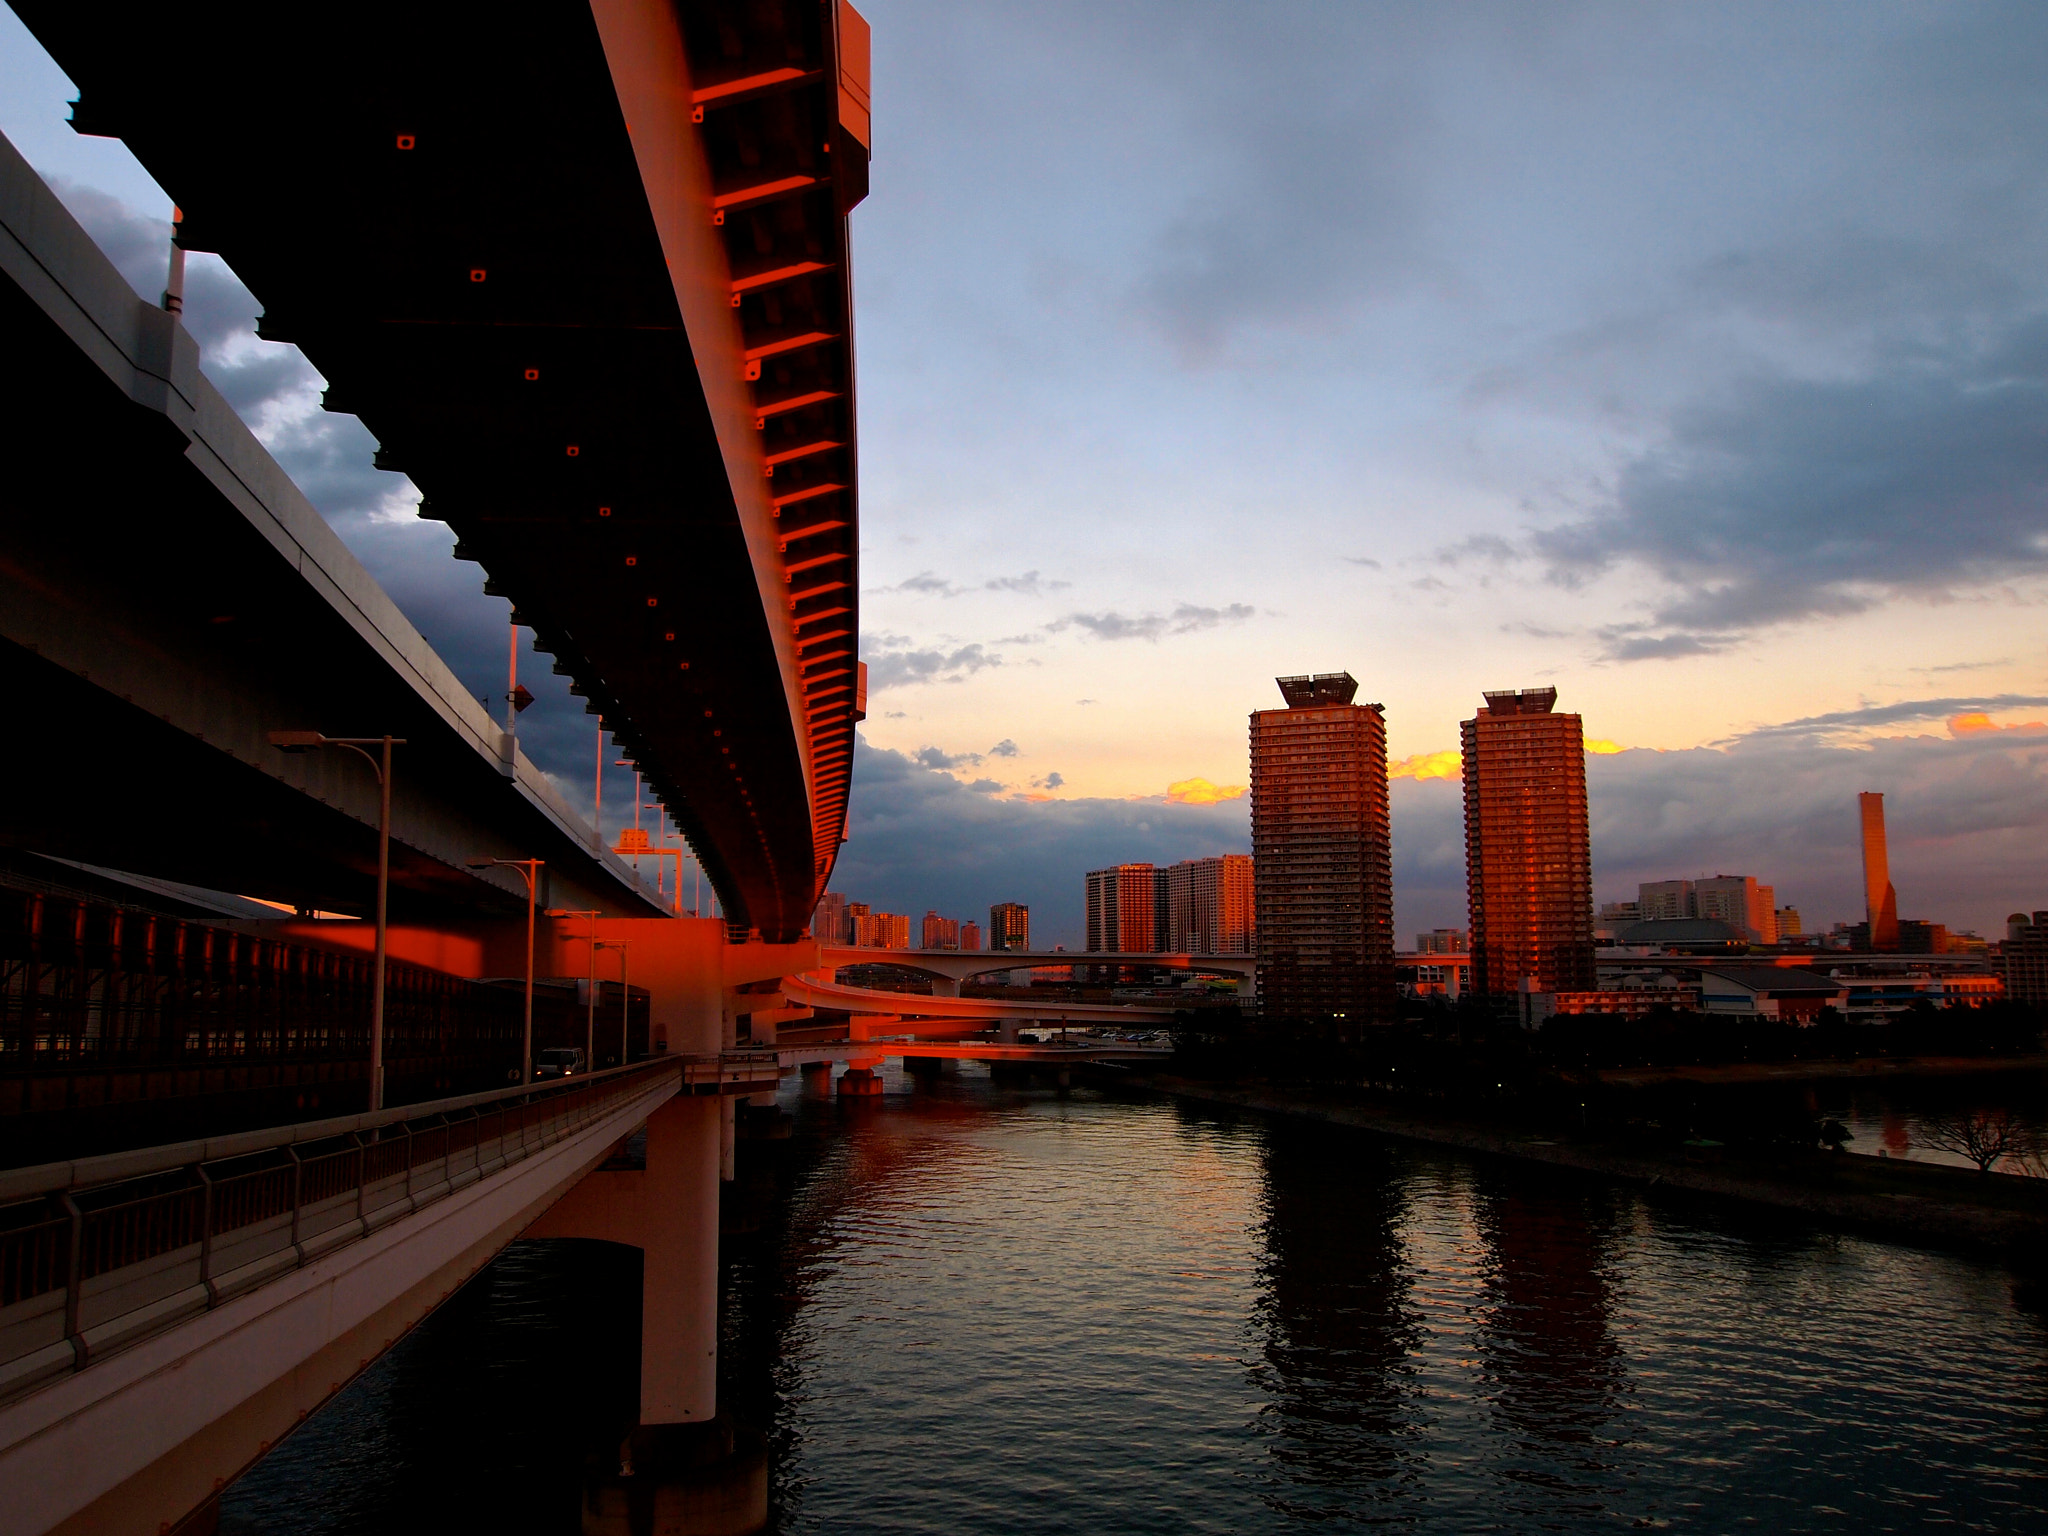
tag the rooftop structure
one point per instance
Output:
(1321, 688)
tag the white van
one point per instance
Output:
(561, 1061)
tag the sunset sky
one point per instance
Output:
(1693, 360)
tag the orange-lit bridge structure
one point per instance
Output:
(581, 269)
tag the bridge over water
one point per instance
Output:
(582, 270)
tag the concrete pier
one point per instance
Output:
(680, 1480)
(860, 1083)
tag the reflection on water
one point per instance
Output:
(1891, 1116)
(979, 1308)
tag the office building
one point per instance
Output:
(1880, 901)
(1528, 852)
(1614, 919)
(1009, 925)
(2024, 956)
(1661, 901)
(1209, 905)
(1441, 941)
(1126, 909)
(1788, 925)
(1741, 903)
(970, 934)
(830, 923)
(1322, 859)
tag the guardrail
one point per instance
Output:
(99, 1253)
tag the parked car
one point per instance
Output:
(561, 1061)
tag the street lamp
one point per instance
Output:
(590, 1029)
(530, 869)
(625, 998)
(309, 741)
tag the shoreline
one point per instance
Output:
(1920, 1202)
(1743, 1072)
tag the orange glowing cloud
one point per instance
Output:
(1427, 765)
(1202, 792)
(1594, 744)
(1977, 723)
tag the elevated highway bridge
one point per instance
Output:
(582, 270)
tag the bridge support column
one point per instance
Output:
(945, 986)
(685, 1464)
(862, 1079)
(728, 1138)
(817, 1079)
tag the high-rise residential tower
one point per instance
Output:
(1528, 853)
(1880, 901)
(1322, 859)
(1009, 925)
(1126, 909)
(1209, 905)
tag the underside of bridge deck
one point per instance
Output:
(582, 270)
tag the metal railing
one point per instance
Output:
(97, 1254)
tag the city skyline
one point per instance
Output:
(1559, 548)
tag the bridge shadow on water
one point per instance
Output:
(480, 1420)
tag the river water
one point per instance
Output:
(981, 1307)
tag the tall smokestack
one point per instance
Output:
(1880, 901)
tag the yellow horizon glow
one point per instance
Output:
(1199, 791)
(1428, 765)
(1977, 723)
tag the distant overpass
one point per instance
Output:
(957, 965)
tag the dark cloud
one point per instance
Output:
(931, 584)
(1790, 499)
(1030, 584)
(896, 668)
(1967, 819)
(1317, 201)
(933, 757)
(987, 787)
(927, 583)
(919, 838)
(1004, 748)
(1184, 620)
(1895, 714)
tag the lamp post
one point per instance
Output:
(308, 741)
(590, 1029)
(625, 999)
(530, 869)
